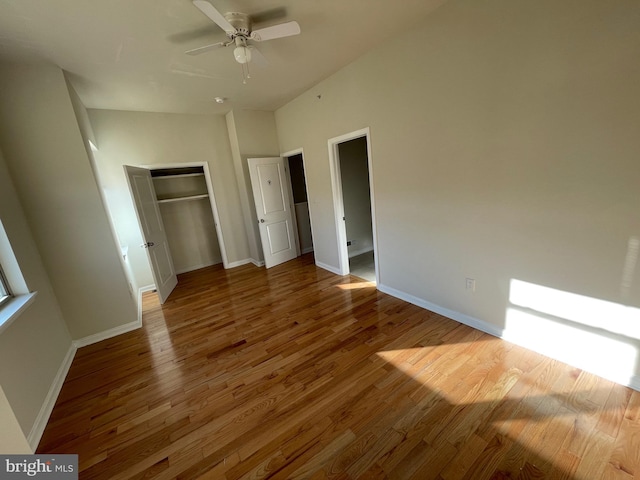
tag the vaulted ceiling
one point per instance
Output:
(129, 54)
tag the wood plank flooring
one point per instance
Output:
(298, 373)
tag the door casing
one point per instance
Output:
(338, 202)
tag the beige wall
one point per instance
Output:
(33, 347)
(12, 440)
(505, 146)
(89, 139)
(44, 151)
(189, 225)
(252, 134)
(137, 138)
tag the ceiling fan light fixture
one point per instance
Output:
(242, 54)
(238, 27)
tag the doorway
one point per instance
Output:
(280, 198)
(300, 201)
(352, 182)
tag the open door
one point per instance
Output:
(271, 195)
(155, 238)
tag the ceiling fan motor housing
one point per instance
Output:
(241, 22)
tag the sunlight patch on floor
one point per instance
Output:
(356, 286)
(423, 374)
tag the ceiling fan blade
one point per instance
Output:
(257, 58)
(276, 31)
(211, 12)
(195, 34)
(206, 48)
(190, 71)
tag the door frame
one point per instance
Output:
(338, 201)
(286, 155)
(212, 199)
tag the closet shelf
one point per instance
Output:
(182, 199)
(179, 175)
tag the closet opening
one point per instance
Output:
(185, 206)
(178, 218)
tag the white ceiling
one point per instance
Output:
(129, 54)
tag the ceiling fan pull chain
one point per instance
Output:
(244, 75)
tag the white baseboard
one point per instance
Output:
(239, 263)
(633, 382)
(329, 268)
(112, 332)
(141, 290)
(612, 375)
(355, 253)
(147, 288)
(257, 263)
(452, 314)
(50, 400)
(196, 267)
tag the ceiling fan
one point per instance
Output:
(238, 27)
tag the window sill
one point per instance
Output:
(13, 308)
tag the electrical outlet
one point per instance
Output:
(470, 284)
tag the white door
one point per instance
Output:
(271, 195)
(155, 237)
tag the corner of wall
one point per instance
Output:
(246, 202)
(40, 423)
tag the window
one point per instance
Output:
(5, 293)
(14, 293)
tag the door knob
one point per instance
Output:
(147, 245)
(262, 220)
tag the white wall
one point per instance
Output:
(354, 175)
(33, 347)
(45, 155)
(252, 134)
(138, 138)
(507, 148)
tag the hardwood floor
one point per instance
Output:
(298, 373)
